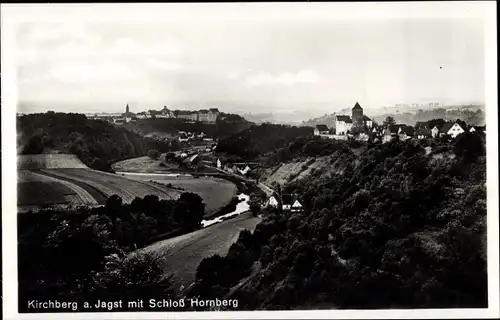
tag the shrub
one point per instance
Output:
(154, 154)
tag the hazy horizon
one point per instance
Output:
(265, 65)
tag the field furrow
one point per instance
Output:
(35, 188)
(111, 184)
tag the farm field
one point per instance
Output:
(38, 189)
(49, 161)
(141, 164)
(183, 254)
(110, 184)
(215, 192)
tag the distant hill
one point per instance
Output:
(293, 118)
(471, 114)
(327, 119)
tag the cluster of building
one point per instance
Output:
(234, 168)
(361, 127)
(204, 115)
(405, 132)
(184, 136)
(288, 202)
(345, 125)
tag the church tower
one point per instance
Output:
(127, 110)
(357, 114)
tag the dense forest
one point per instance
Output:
(261, 139)
(84, 255)
(97, 143)
(401, 225)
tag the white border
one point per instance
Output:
(11, 15)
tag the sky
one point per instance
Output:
(253, 64)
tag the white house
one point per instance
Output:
(452, 129)
(296, 206)
(368, 122)
(343, 124)
(244, 171)
(272, 202)
(435, 132)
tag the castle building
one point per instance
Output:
(344, 124)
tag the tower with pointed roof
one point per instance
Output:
(357, 114)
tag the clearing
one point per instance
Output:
(143, 165)
(215, 192)
(49, 161)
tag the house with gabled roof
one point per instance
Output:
(423, 133)
(452, 129)
(272, 202)
(321, 129)
(291, 203)
(481, 129)
(390, 132)
(296, 206)
(405, 132)
(343, 124)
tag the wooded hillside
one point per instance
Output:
(97, 143)
(396, 226)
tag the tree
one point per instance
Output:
(154, 154)
(34, 145)
(113, 207)
(255, 207)
(469, 146)
(190, 210)
(389, 121)
(138, 276)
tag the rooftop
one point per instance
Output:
(322, 127)
(343, 118)
(357, 107)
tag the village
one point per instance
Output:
(362, 128)
(203, 115)
(198, 153)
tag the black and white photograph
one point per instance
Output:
(241, 160)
